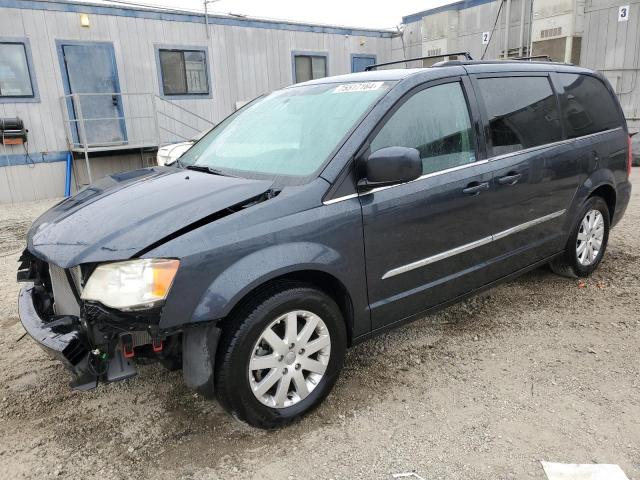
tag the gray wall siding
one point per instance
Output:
(461, 30)
(607, 45)
(243, 62)
(613, 47)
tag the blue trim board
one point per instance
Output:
(13, 159)
(180, 16)
(416, 17)
(32, 73)
(187, 96)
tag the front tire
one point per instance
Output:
(280, 355)
(587, 242)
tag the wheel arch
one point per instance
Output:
(600, 183)
(321, 280)
(608, 194)
(304, 262)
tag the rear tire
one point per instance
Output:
(587, 243)
(264, 376)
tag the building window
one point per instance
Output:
(15, 76)
(309, 67)
(184, 72)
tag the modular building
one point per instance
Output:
(600, 34)
(112, 83)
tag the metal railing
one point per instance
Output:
(102, 122)
(176, 123)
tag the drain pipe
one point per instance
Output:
(67, 180)
(507, 21)
(530, 51)
(522, 13)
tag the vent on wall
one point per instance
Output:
(551, 32)
(434, 51)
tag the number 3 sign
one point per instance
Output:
(623, 13)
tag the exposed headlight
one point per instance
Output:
(131, 285)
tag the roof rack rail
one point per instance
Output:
(545, 58)
(466, 55)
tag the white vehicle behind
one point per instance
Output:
(168, 154)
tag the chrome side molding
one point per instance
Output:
(470, 246)
(437, 257)
(529, 224)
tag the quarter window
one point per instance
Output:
(436, 122)
(184, 72)
(309, 67)
(588, 106)
(522, 111)
(15, 78)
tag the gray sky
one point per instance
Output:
(359, 13)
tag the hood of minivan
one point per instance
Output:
(120, 215)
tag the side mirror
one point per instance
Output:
(391, 165)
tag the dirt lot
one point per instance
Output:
(542, 368)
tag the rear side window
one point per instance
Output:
(588, 106)
(522, 111)
(435, 121)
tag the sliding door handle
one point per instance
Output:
(510, 179)
(474, 188)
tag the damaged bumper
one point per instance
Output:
(65, 339)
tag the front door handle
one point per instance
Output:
(510, 179)
(474, 188)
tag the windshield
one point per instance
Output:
(287, 135)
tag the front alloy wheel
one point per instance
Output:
(280, 354)
(289, 359)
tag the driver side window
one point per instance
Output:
(436, 122)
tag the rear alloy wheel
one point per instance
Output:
(587, 243)
(590, 238)
(280, 354)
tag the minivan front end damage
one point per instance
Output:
(94, 342)
(93, 300)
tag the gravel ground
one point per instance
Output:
(541, 368)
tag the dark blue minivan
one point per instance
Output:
(320, 215)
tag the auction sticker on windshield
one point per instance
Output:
(358, 87)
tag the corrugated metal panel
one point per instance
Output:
(613, 47)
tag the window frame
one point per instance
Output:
(35, 95)
(183, 48)
(469, 96)
(485, 123)
(303, 53)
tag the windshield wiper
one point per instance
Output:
(205, 169)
